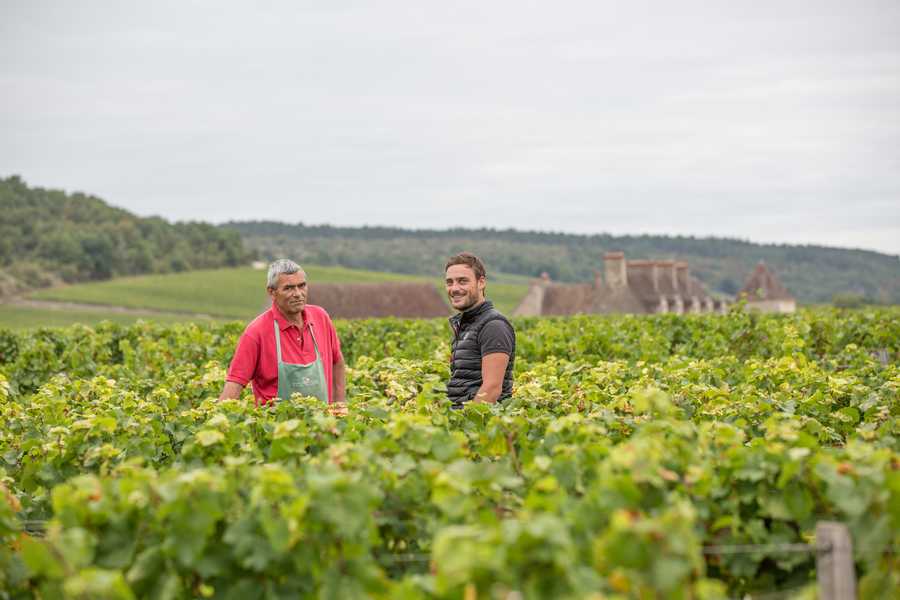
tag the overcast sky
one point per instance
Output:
(773, 121)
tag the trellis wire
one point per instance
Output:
(766, 548)
(38, 527)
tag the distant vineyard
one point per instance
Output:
(631, 444)
(813, 274)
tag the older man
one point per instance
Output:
(291, 348)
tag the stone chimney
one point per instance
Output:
(647, 268)
(683, 277)
(667, 272)
(616, 270)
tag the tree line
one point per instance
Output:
(49, 236)
(814, 274)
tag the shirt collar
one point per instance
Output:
(283, 322)
(470, 314)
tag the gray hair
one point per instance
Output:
(282, 266)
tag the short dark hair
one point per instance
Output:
(468, 259)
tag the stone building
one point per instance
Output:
(626, 286)
(764, 292)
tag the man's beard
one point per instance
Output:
(471, 298)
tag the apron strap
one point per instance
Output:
(278, 340)
(315, 343)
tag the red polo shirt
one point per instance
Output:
(255, 360)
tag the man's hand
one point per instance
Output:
(231, 391)
(339, 381)
(338, 406)
(493, 367)
(338, 409)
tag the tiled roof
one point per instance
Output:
(666, 285)
(763, 285)
(697, 288)
(562, 299)
(369, 300)
(640, 280)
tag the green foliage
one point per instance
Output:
(629, 444)
(848, 300)
(50, 236)
(13, 316)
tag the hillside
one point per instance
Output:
(237, 293)
(814, 274)
(50, 236)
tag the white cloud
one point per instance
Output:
(738, 118)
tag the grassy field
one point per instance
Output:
(27, 317)
(228, 293)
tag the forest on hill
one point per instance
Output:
(50, 236)
(814, 274)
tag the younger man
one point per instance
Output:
(484, 341)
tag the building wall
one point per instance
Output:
(773, 306)
(533, 302)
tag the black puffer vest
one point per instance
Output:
(465, 361)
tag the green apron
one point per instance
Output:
(306, 380)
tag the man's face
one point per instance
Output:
(463, 289)
(290, 293)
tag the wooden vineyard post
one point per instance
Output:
(834, 562)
